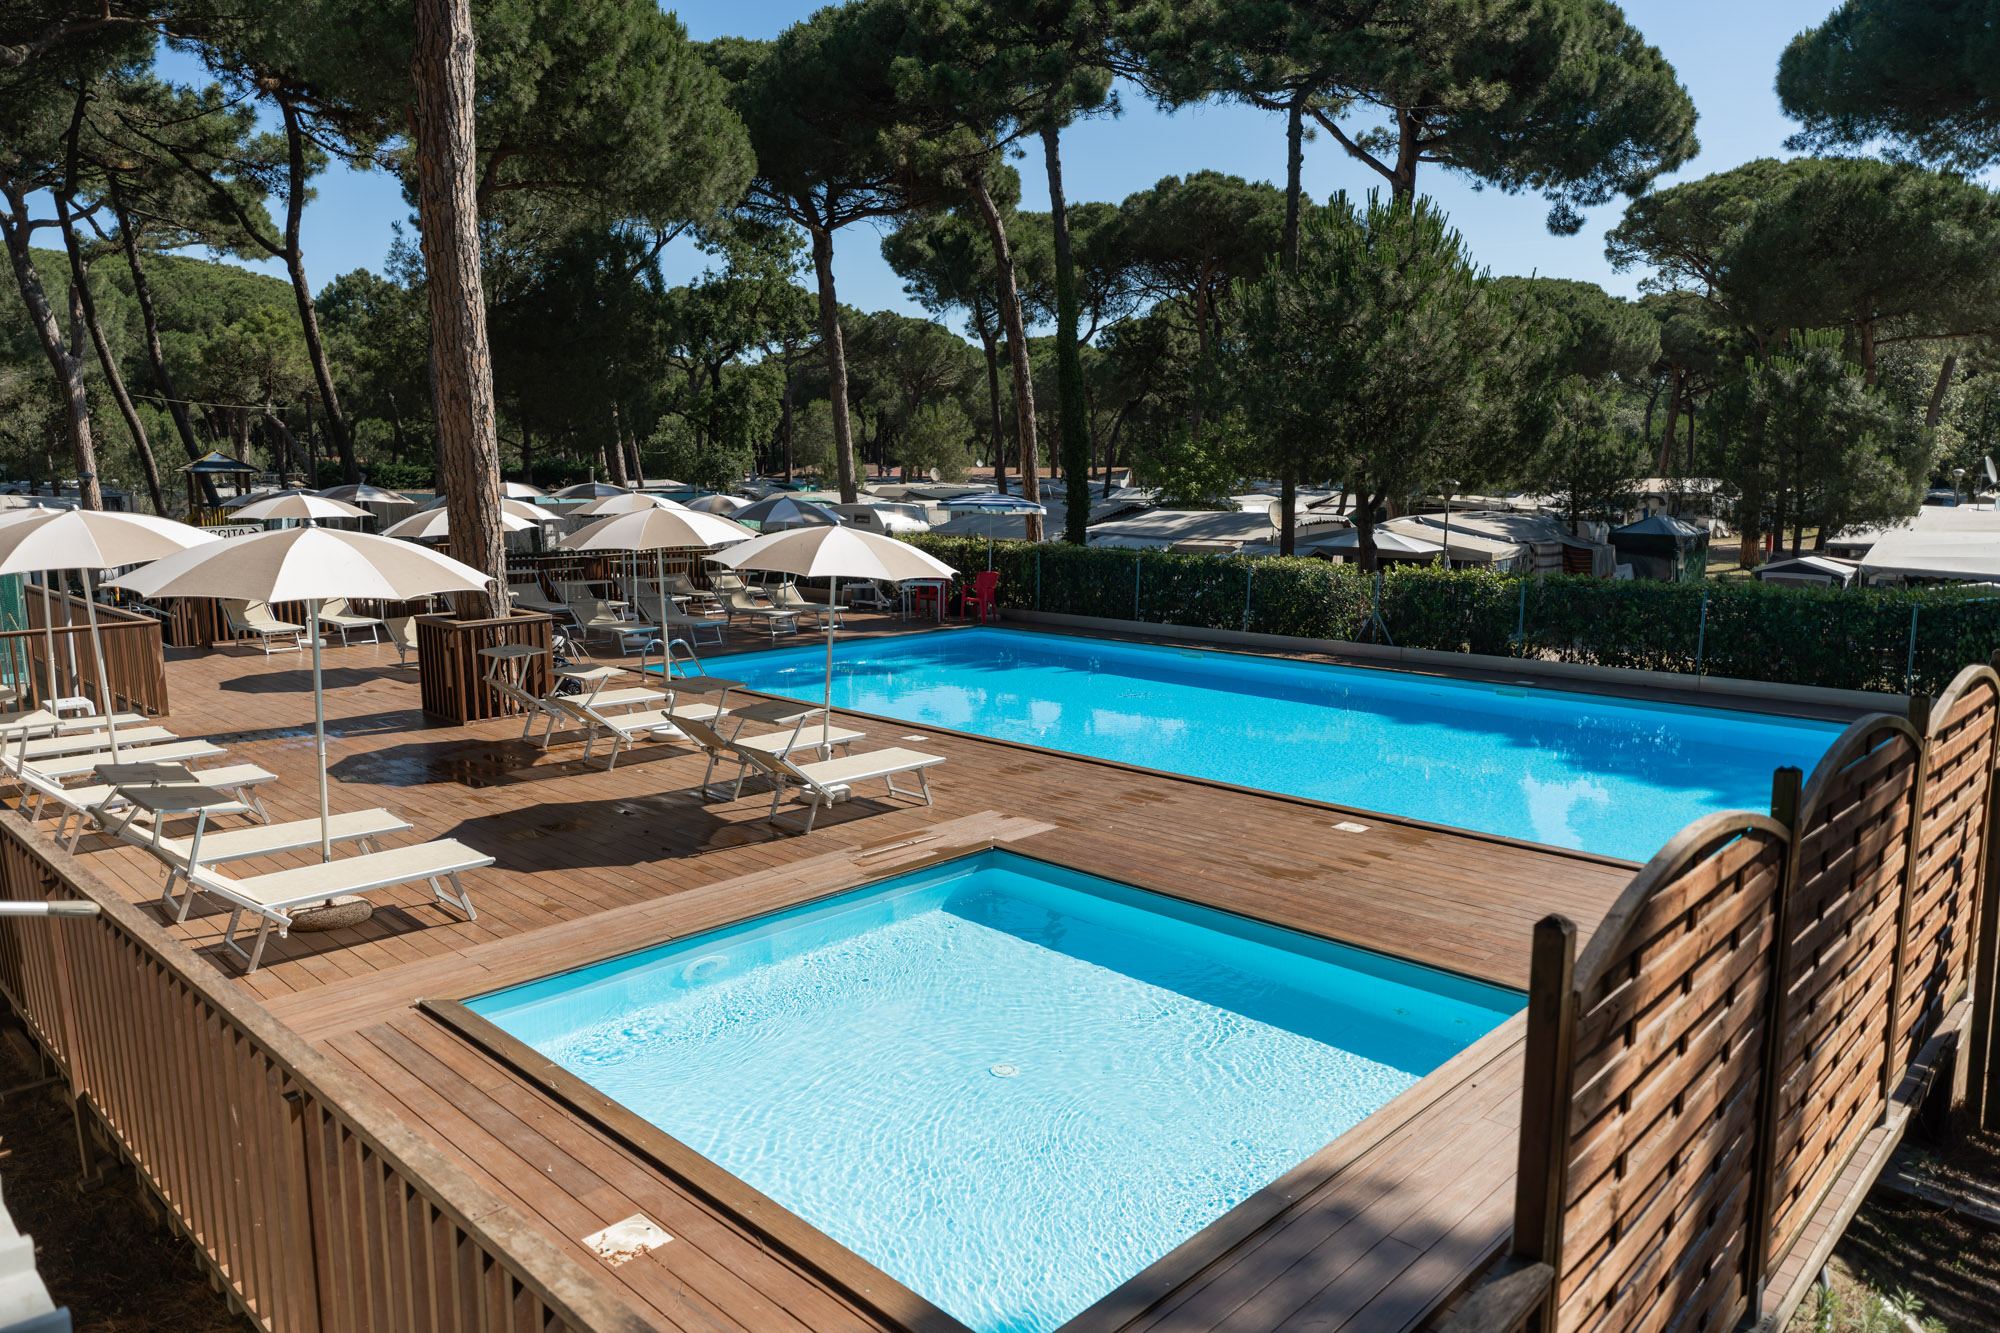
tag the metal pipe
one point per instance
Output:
(57, 907)
(319, 741)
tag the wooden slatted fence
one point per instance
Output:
(1761, 1000)
(316, 1205)
(133, 657)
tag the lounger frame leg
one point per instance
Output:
(458, 897)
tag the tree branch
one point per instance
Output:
(1332, 127)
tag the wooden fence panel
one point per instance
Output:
(1848, 884)
(1950, 856)
(1668, 1009)
(452, 674)
(317, 1206)
(133, 655)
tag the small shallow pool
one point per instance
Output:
(1009, 1085)
(1602, 775)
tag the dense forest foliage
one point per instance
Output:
(1815, 334)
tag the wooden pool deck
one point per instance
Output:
(1371, 1233)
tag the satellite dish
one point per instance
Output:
(1991, 475)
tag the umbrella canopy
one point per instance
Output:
(84, 540)
(626, 502)
(834, 553)
(778, 512)
(303, 565)
(657, 530)
(726, 505)
(258, 497)
(91, 539)
(300, 504)
(434, 524)
(845, 553)
(993, 502)
(360, 492)
(589, 490)
(306, 565)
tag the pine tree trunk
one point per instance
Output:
(1673, 416)
(1295, 163)
(614, 453)
(1072, 411)
(295, 267)
(785, 411)
(79, 270)
(448, 210)
(987, 339)
(836, 362)
(1935, 412)
(142, 291)
(67, 365)
(1017, 348)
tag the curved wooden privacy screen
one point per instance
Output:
(1762, 998)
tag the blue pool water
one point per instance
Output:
(1569, 770)
(1009, 1085)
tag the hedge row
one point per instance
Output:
(1874, 639)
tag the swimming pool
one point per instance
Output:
(1008, 1084)
(1571, 770)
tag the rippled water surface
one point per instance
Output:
(1009, 1085)
(1569, 770)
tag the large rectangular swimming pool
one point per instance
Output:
(1573, 770)
(1009, 1085)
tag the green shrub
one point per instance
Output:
(1859, 639)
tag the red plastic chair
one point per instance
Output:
(980, 594)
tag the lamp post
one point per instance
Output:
(1450, 489)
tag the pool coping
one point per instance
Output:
(855, 1277)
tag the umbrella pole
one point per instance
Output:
(666, 645)
(103, 680)
(49, 633)
(319, 742)
(826, 717)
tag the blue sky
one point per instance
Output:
(1725, 51)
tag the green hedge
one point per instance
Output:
(1857, 640)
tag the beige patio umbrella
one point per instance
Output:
(658, 530)
(835, 554)
(434, 524)
(84, 540)
(631, 502)
(300, 505)
(308, 565)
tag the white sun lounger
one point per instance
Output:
(832, 780)
(271, 898)
(622, 728)
(77, 765)
(218, 846)
(98, 801)
(821, 739)
(84, 742)
(245, 617)
(339, 615)
(742, 602)
(42, 722)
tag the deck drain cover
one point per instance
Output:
(1349, 826)
(1003, 1071)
